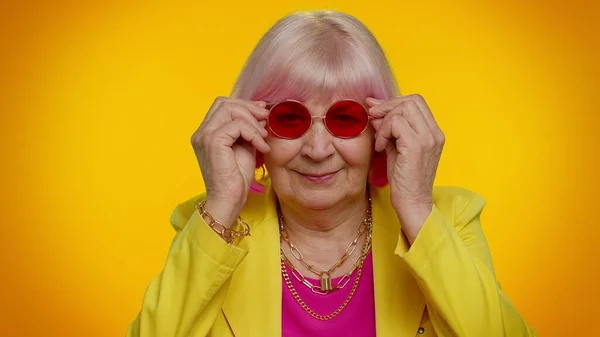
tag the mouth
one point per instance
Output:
(319, 178)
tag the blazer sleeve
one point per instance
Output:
(451, 261)
(186, 296)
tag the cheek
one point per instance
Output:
(357, 151)
(282, 151)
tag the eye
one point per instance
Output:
(344, 118)
(289, 118)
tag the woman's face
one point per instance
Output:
(318, 169)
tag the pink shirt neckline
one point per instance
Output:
(357, 319)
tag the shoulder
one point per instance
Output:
(458, 204)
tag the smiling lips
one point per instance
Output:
(318, 178)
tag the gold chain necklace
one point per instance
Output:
(324, 275)
(312, 313)
(345, 279)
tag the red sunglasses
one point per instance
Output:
(344, 119)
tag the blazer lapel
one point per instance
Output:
(399, 303)
(252, 306)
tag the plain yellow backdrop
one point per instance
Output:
(99, 99)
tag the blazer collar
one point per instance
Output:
(252, 306)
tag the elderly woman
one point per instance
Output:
(345, 235)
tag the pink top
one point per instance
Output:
(357, 319)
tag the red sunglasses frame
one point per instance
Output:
(312, 118)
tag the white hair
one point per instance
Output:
(322, 55)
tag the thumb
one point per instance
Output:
(371, 102)
(261, 104)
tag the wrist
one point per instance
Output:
(226, 232)
(412, 218)
(222, 211)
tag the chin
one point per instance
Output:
(319, 199)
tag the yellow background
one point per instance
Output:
(98, 102)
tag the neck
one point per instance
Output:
(323, 235)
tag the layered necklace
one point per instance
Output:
(325, 285)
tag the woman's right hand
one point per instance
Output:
(225, 145)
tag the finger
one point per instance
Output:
(376, 120)
(428, 115)
(376, 123)
(373, 102)
(393, 130)
(263, 124)
(261, 104)
(231, 111)
(381, 141)
(385, 107)
(381, 109)
(256, 108)
(413, 115)
(239, 112)
(216, 104)
(420, 101)
(382, 132)
(229, 133)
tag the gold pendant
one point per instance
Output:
(325, 282)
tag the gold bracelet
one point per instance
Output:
(227, 234)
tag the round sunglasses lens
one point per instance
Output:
(289, 119)
(347, 119)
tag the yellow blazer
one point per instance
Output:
(442, 285)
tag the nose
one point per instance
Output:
(317, 143)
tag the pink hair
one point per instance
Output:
(322, 55)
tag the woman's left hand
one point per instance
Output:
(406, 130)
